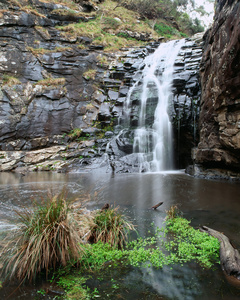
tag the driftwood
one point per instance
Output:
(157, 205)
(229, 256)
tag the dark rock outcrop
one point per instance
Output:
(46, 91)
(219, 146)
(183, 111)
(54, 83)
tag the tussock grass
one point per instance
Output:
(89, 74)
(173, 212)
(51, 82)
(10, 80)
(48, 236)
(110, 227)
(52, 234)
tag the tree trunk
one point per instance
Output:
(229, 256)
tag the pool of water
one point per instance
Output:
(212, 203)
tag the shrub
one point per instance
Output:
(163, 29)
(47, 237)
(110, 227)
(75, 133)
(173, 212)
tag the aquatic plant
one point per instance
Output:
(173, 212)
(76, 288)
(191, 244)
(110, 227)
(48, 236)
(176, 243)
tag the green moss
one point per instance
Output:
(10, 80)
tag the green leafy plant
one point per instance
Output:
(192, 244)
(41, 292)
(110, 227)
(75, 288)
(164, 29)
(75, 133)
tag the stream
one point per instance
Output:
(212, 203)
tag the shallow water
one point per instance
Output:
(212, 203)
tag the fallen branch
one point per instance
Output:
(229, 256)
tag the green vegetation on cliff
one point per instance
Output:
(126, 23)
(117, 24)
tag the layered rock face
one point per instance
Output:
(61, 95)
(55, 103)
(219, 145)
(183, 110)
(44, 94)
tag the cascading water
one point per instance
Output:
(153, 135)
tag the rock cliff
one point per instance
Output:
(219, 146)
(61, 94)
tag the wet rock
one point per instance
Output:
(141, 36)
(120, 101)
(220, 78)
(109, 133)
(112, 95)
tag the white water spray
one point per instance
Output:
(153, 143)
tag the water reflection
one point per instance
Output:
(211, 203)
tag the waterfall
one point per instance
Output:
(153, 134)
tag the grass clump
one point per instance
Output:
(47, 237)
(90, 74)
(51, 82)
(10, 80)
(75, 287)
(102, 60)
(75, 133)
(110, 227)
(108, 22)
(173, 212)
